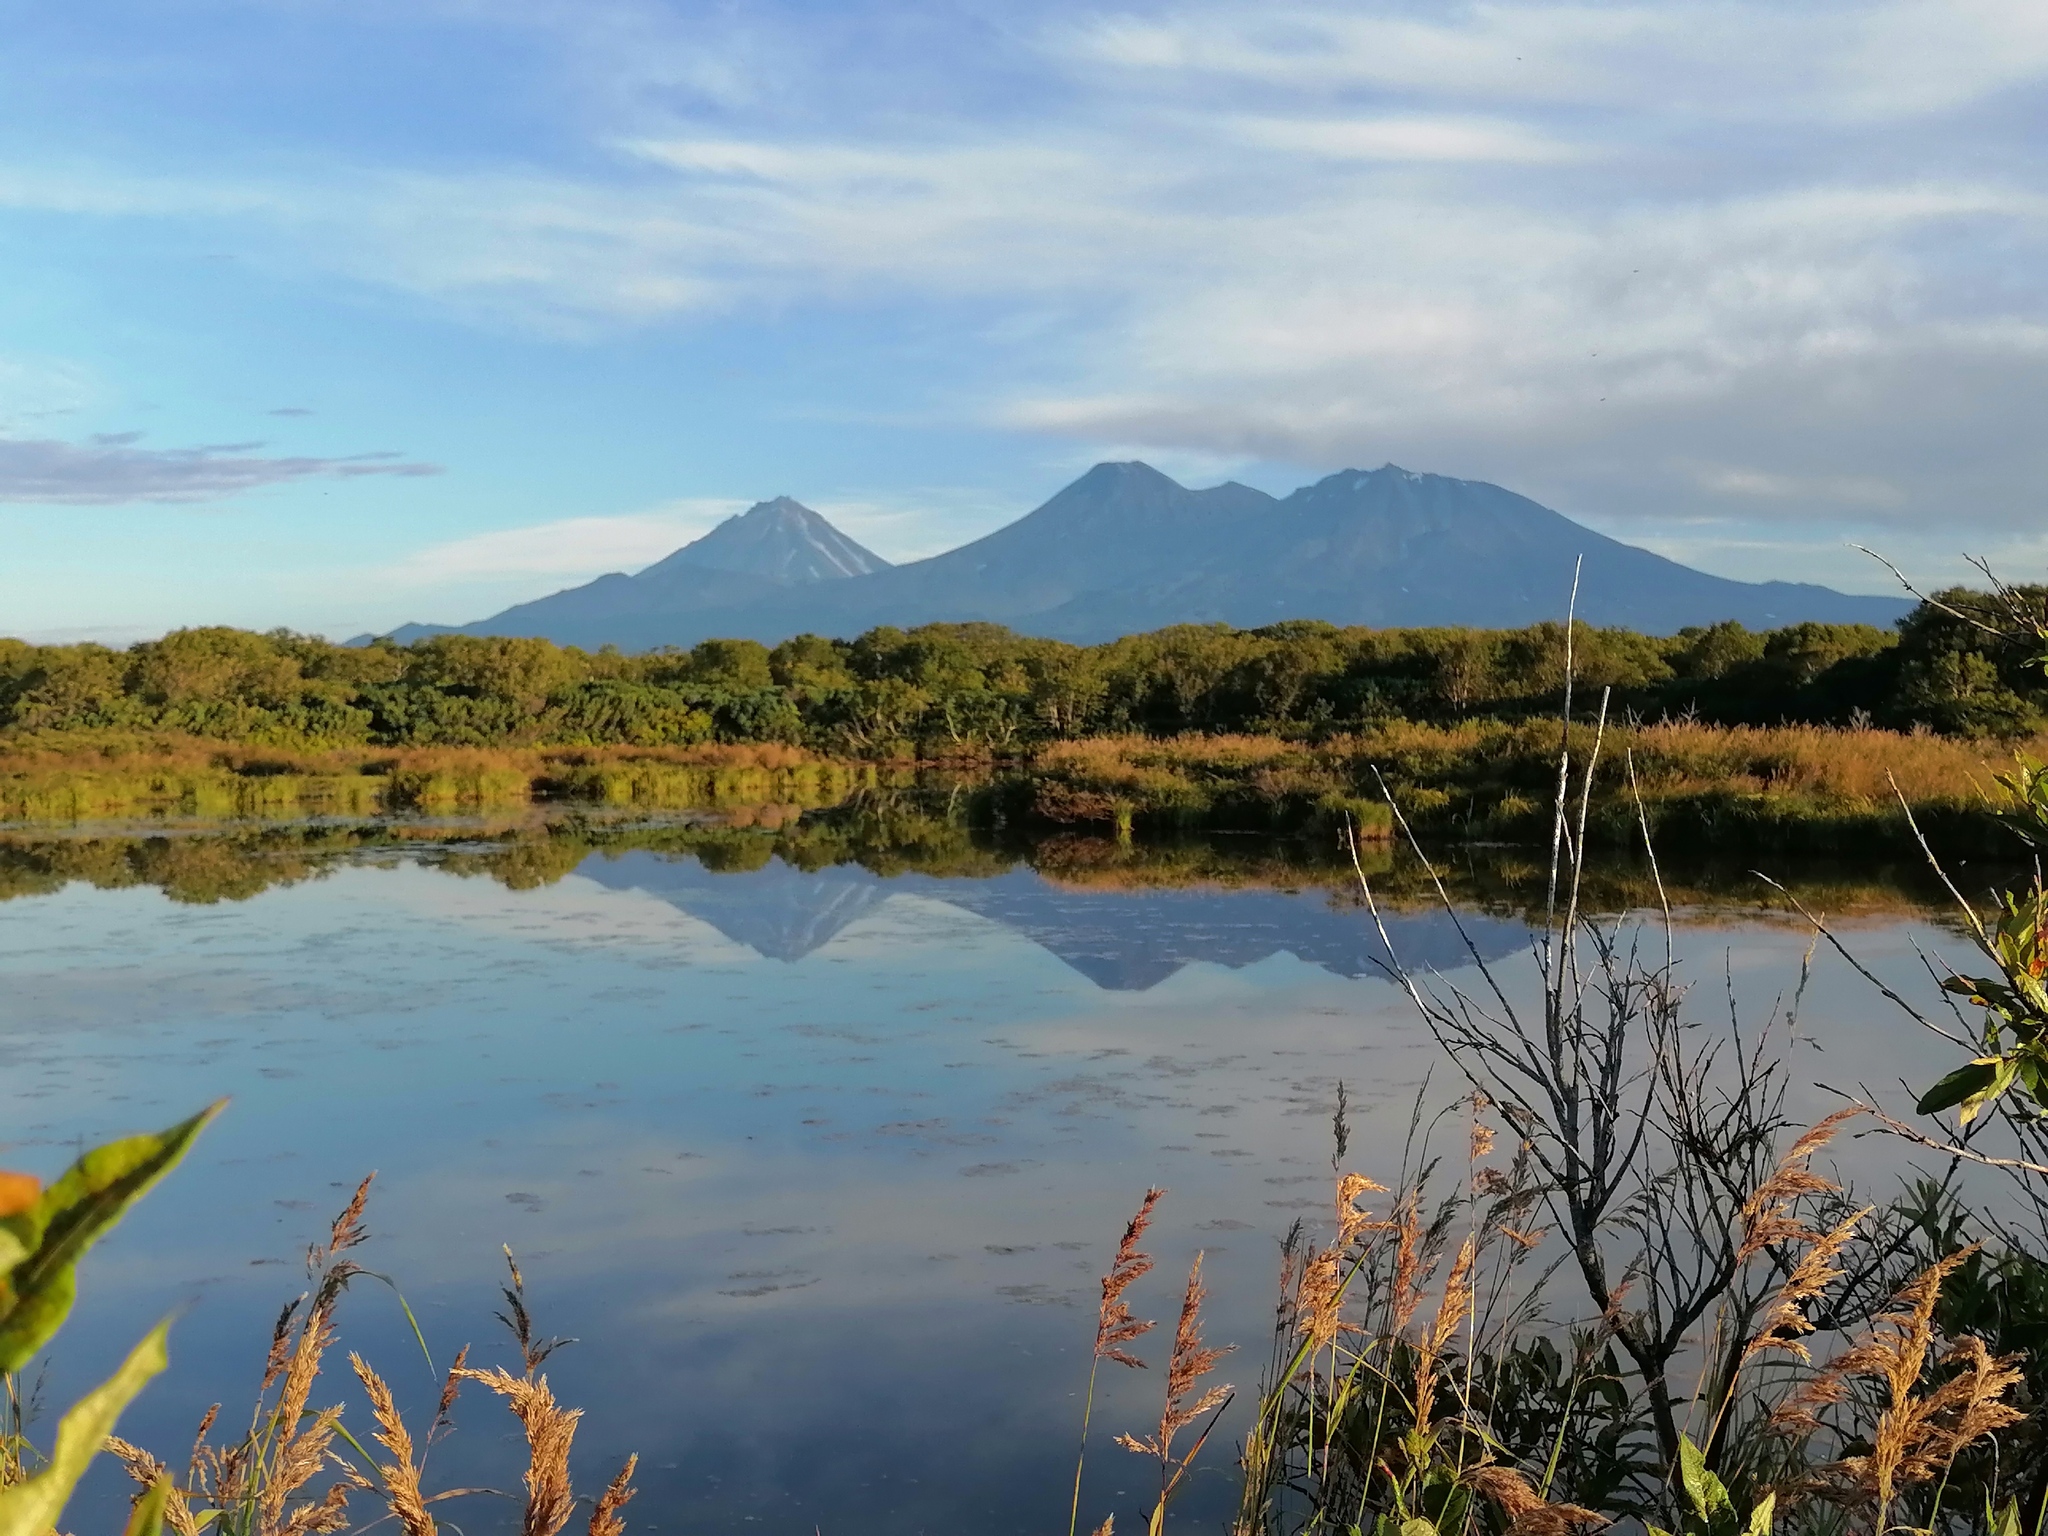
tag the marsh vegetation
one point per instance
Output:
(1738, 732)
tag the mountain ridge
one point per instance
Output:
(1125, 548)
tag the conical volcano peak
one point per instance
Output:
(782, 539)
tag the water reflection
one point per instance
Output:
(1121, 940)
(814, 1136)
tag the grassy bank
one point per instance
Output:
(1809, 789)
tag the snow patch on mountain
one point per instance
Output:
(783, 540)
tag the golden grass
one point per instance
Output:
(267, 1483)
(1919, 1433)
(1406, 1409)
(1855, 765)
(1114, 1324)
(1816, 786)
(1496, 779)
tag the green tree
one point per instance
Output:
(75, 687)
(522, 673)
(1714, 652)
(735, 666)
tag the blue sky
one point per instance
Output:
(335, 315)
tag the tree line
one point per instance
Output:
(979, 688)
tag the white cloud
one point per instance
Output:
(1842, 61)
(1410, 138)
(1846, 490)
(569, 548)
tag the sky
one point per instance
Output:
(336, 315)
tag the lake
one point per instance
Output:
(815, 1148)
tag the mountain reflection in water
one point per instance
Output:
(1121, 940)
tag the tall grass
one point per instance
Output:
(1812, 787)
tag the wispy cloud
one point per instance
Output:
(1407, 138)
(1857, 62)
(108, 469)
(568, 548)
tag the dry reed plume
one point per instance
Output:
(263, 1484)
(1526, 1511)
(1115, 1326)
(1452, 1309)
(1325, 1273)
(550, 1431)
(604, 1517)
(1190, 1362)
(1768, 1221)
(401, 1475)
(1917, 1435)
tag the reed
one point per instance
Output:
(297, 1470)
(1812, 787)
(1115, 1326)
(1189, 1362)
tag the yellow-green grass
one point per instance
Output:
(126, 776)
(1802, 785)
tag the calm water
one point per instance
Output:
(818, 1168)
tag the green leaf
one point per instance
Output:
(2007, 1521)
(32, 1508)
(1760, 1517)
(2001, 1079)
(1701, 1486)
(1963, 1083)
(74, 1212)
(147, 1518)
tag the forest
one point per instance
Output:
(954, 690)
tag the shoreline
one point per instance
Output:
(1797, 789)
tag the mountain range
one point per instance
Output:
(1125, 549)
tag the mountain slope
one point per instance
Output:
(1125, 548)
(750, 556)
